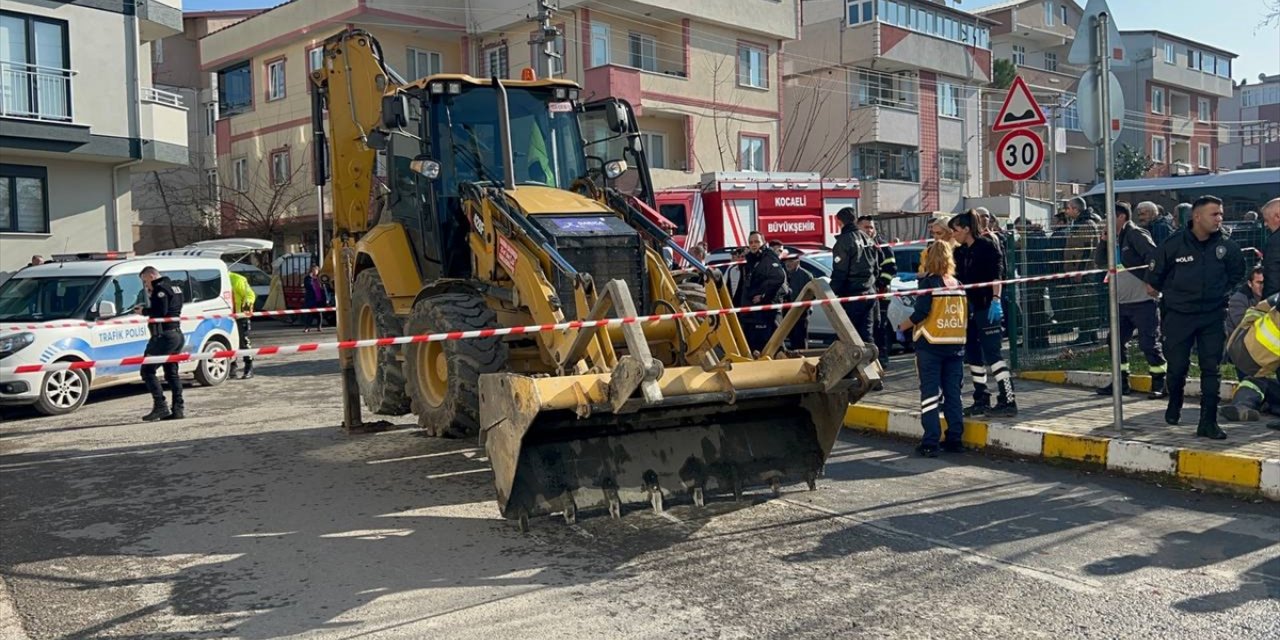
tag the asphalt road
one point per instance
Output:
(258, 518)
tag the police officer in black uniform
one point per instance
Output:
(763, 280)
(886, 270)
(166, 339)
(853, 271)
(1195, 270)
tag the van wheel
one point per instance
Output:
(379, 372)
(214, 371)
(62, 392)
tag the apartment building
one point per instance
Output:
(1035, 37)
(1252, 116)
(887, 92)
(78, 114)
(178, 206)
(1172, 93)
(703, 78)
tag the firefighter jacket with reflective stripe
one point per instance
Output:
(1254, 346)
(940, 318)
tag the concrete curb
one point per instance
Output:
(1095, 379)
(1238, 473)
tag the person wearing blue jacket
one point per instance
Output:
(939, 326)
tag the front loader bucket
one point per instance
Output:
(557, 444)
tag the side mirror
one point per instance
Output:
(425, 167)
(617, 118)
(376, 140)
(615, 168)
(106, 309)
(395, 111)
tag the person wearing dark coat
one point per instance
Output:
(797, 280)
(1271, 248)
(763, 282)
(853, 273)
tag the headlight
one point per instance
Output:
(15, 342)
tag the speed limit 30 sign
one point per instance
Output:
(1020, 154)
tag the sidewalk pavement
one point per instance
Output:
(1060, 421)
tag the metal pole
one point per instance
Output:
(1020, 327)
(320, 226)
(1053, 150)
(1104, 111)
(546, 35)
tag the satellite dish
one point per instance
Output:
(1262, 77)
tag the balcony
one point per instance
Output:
(33, 92)
(1182, 126)
(158, 19)
(894, 123)
(1064, 79)
(629, 83)
(162, 120)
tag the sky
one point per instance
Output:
(1226, 24)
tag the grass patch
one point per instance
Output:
(1093, 358)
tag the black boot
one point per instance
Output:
(177, 413)
(1124, 386)
(248, 369)
(1173, 413)
(1004, 409)
(1239, 413)
(1158, 391)
(159, 411)
(978, 408)
(1208, 427)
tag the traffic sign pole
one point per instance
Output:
(1101, 25)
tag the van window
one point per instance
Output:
(206, 284)
(179, 279)
(125, 292)
(53, 298)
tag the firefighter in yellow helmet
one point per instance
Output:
(242, 297)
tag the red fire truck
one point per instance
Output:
(797, 208)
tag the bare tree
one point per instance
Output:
(264, 203)
(178, 203)
(811, 93)
(1270, 14)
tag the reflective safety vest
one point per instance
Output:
(1254, 345)
(948, 317)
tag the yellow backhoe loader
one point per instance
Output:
(509, 203)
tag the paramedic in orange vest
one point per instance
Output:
(939, 324)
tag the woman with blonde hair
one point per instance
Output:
(939, 324)
(938, 228)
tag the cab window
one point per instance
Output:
(125, 292)
(676, 214)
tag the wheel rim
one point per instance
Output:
(367, 357)
(215, 368)
(434, 370)
(64, 389)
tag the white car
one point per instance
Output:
(79, 291)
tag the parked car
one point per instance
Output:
(87, 288)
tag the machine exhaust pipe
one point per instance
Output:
(504, 133)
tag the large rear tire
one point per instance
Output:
(444, 377)
(379, 373)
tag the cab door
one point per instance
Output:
(610, 132)
(114, 340)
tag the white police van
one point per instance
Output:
(81, 289)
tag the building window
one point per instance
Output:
(24, 199)
(422, 63)
(1048, 14)
(951, 166)
(882, 89)
(1050, 61)
(1202, 110)
(1019, 54)
(1158, 149)
(1224, 67)
(1193, 59)
(1157, 100)
(920, 18)
(239, 175)
(315, 59)
(886, 162)
(1069, 116)
(753, 153)
(210, 118)
(950, 102)
(34, 58)
(211, 183)
(1206, 155)
(753, 66)
(275, 80)
(495, 61)
(235, 89)
(557, 61)
(655, 149)
(644, 52)
(280, 172)
(1170, 53)
(1063, 14)
(859, 11)
(157, 51)
(600, 43)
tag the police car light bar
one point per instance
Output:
(92, 255)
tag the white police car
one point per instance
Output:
(80, 289)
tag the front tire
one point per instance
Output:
(444, 377)
(379, 372)
(62, 392)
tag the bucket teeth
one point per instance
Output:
(775, 485)
(570, 510)
(615, 504)
(699, 499)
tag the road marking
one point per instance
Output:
(1061, 579)
(437, 476)
(465, 452)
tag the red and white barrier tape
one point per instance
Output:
(145, 320)
(507, 331)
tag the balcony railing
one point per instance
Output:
(35, 92)
(160, 96)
